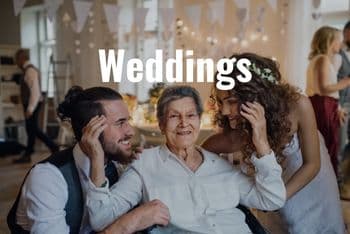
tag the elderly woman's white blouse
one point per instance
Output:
(199, 202)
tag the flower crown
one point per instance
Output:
(264, 73)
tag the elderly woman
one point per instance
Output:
(200, 189)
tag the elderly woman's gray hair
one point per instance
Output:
(174, 93)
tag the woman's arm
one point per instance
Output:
(265, 191)
(309, 144)
(322, 71)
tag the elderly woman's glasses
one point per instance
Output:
(178, 117)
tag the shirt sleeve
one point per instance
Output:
(44, 195)
(265, 191)
(106, 204)
(32, 80)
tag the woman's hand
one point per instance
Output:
(255, 114)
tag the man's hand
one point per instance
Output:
(342, 115)
(28, 114)
(92, 147)
(142, 217)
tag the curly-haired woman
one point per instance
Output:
(322, 87)
(311, 185)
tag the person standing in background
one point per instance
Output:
(323, 88)
(342, 63)
(31, 98)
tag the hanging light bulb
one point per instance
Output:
(234, 40)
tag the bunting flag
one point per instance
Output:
(193, 13)
(168, 17)
(260, 10)
(51, 7)
(18, 5)
(273, 4)
(241, 3)
(81, 9)
(112, 15)
(242, 10)
(242, 14)
(316, 3)
(217, 12)
(66, 18)
(140, 15)
(126, 19)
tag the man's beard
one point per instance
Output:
(114, 152)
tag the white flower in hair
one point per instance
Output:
(264, 73)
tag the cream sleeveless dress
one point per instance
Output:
(316, 208)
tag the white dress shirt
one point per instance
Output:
(45, 194)
(32, 80)
(203, 201)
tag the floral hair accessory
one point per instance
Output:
(264, 73)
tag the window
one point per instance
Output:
(334, 6)
(38, 35)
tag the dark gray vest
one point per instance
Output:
(74, 208)
(25, 91)
(344, 71)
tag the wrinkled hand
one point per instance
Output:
(136, 152)
(145, 216)
(152, 213)
(255, 114)
(342, 115)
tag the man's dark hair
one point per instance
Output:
(80, 105)
(347, 26)
(22, 53)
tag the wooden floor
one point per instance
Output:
(11, 177)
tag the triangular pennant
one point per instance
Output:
(242, 14)
(168, 16)
(18, 5)
(273, 4)
(81, 9)
(140, 15)
(126, 19)
(217, 12)
(193, 13)
(316, 3)
(66, 18)
(260, 12)
(112, 15)
(241, 3)
(51, 7)
(167, 35)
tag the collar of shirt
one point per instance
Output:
(208, 160)
(82, 161)
(167, 154)
(26, 64)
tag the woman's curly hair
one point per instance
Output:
(276, 98)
